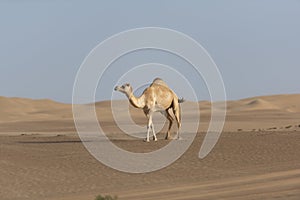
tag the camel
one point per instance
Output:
(158, 97)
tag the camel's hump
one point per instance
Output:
(160, 82)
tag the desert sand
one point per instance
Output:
(257, 156)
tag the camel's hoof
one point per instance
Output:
(155, 139)
(168, 138)
(179, 138)
(145, 140)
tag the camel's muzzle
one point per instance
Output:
(116, 88)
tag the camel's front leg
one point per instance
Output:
(148, 134)
(153, 131)
(149, 126)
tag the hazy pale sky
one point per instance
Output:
(255, 44)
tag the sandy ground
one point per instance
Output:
(257, 156)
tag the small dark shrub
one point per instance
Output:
(290, 126)
(107, 197)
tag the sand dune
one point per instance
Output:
(21, 109)
(262, 112)
(289, 103)
(257, 104)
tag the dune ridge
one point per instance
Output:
(264, 112)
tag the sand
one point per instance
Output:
(257, 156)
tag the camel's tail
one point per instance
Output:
(181, 100)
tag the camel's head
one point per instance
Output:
(126, 88)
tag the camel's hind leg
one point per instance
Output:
(170, 118)
(176, 111)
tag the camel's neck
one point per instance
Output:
(137, 102)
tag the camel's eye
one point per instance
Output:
(127, 84)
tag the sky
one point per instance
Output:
(255, 44)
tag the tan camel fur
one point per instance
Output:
(158, 97)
